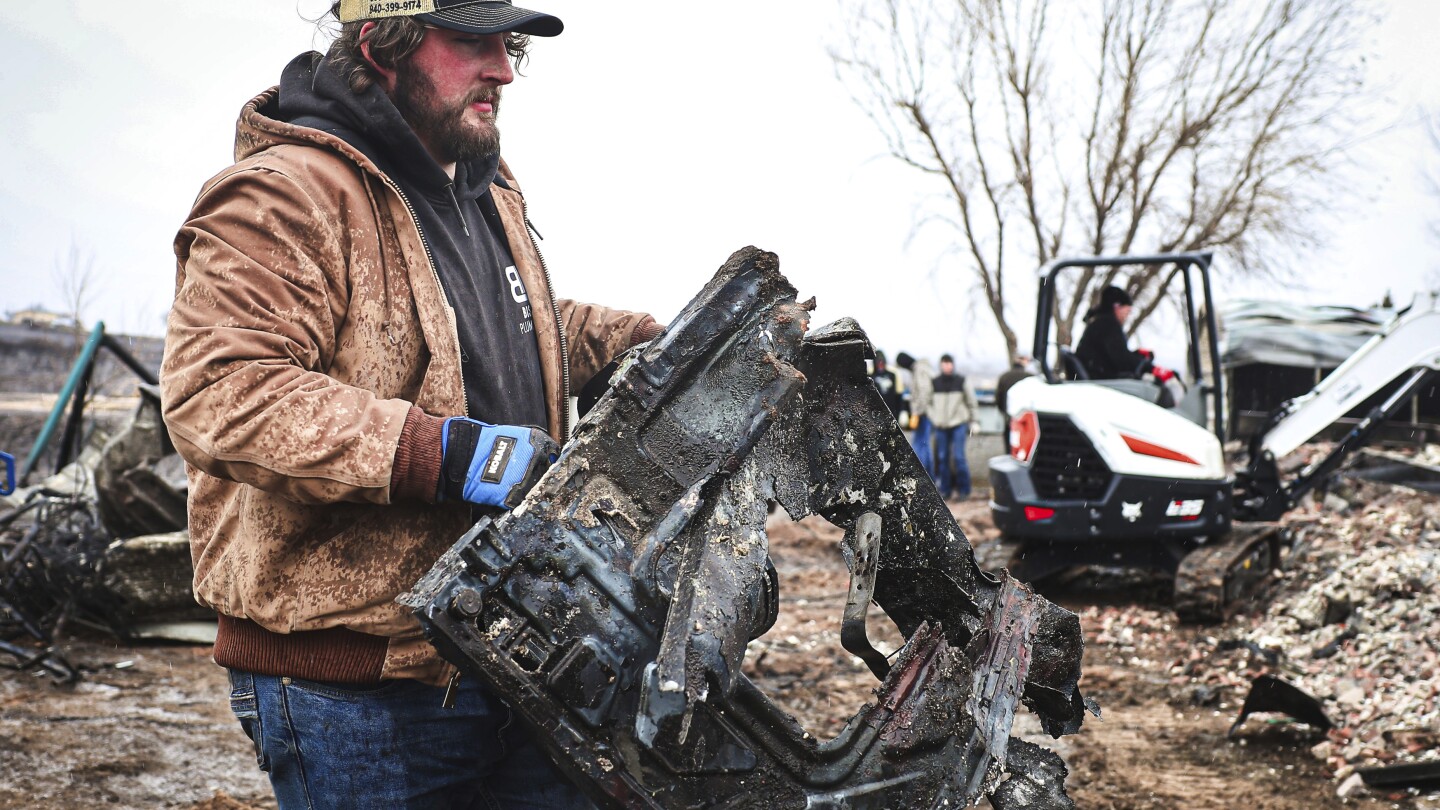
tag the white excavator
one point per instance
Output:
(1099, 472)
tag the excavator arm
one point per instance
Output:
(1407, 349)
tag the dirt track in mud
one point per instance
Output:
(149, 727)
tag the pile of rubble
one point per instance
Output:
(1352, 621)
(101, 543)
(1356, 624)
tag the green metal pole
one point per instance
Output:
(76, 373)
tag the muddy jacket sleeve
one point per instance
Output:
(596, 335)
(261, 288)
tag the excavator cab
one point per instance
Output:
(1100, 473)
(1198, 400)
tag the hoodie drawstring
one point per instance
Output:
(459, 212)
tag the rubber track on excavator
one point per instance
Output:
(1220, 577)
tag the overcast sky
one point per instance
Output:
(650, 143)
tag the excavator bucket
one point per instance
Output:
(612, 608)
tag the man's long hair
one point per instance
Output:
(392, 40)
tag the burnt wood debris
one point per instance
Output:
(613, 607)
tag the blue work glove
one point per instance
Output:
(493, 465)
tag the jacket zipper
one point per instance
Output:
(559, 326)
(550, 290)
(430, 259)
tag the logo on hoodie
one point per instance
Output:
(517, 292)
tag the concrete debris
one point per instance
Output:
(1351, 787)
(193, 632)
(1354, 622)
(140, 480)
(149, 580)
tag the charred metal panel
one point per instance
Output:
(1270, 694)
(612, 607)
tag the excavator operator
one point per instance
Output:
(1102, 349)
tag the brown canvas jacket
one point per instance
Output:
(308, 322)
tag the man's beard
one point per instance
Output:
(441, 126)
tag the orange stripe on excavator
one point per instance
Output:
(1145, 448)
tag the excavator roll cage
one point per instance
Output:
(1199, 313)
(1406, 350)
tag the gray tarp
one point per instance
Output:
(1286, 334)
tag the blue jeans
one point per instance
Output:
(394, 746)
(920, 440)
(950, 452)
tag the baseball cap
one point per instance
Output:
(470, 16)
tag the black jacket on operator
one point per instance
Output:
(1103, 352)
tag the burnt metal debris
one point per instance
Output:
(60, 561)
(50, 551)
(1422, 776)
(1271, 694)
(612, 608)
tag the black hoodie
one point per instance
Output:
(458, 222)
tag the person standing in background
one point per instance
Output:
(922, 376)
(907, 387)
(887, 384)
(1019, 370)
(954, 413)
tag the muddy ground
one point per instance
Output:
(149, 726)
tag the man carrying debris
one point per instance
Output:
(350, 291)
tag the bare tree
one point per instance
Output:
(78, 282)
(1114, 127)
